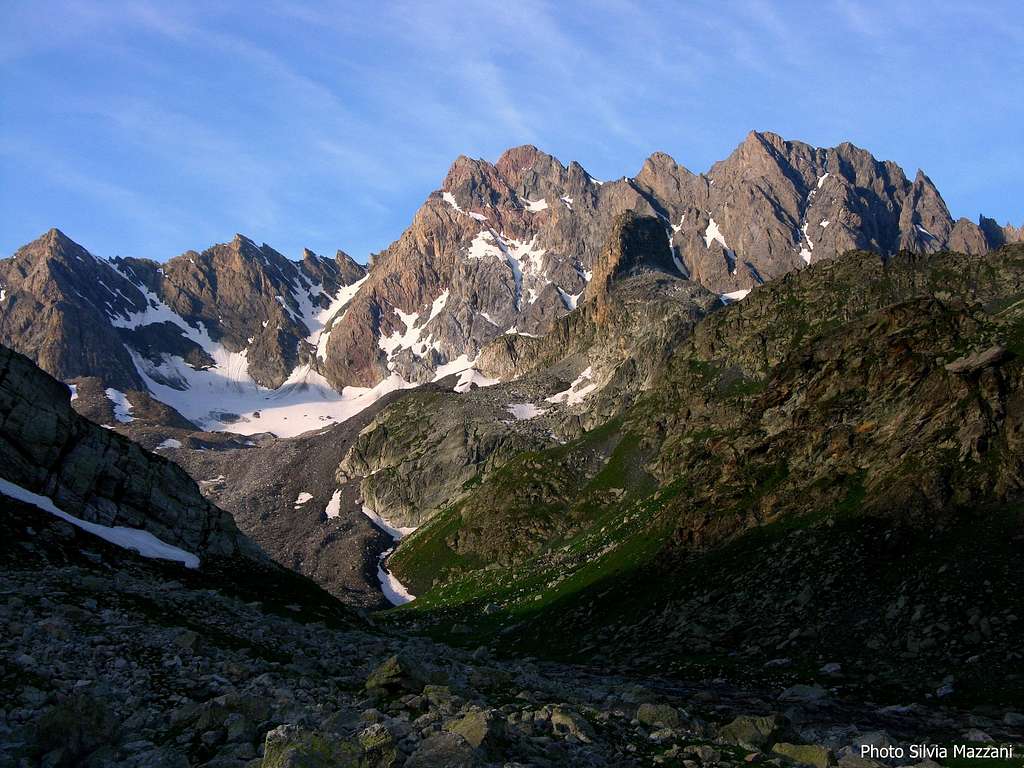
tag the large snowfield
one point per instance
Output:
(224, 397)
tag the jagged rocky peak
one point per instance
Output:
(56, 307)
(664, 178)
(340, 271)
(520, 179)
(525, 167)
(56, 245)
(474, 183)
(997, 236)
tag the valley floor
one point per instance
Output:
(114, 660)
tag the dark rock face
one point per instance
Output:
(96, 474)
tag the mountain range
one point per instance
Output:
(498, 250)
(704, 437)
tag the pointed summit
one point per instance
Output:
(53, 243)
(516, 163)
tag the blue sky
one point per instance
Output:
(146, 129)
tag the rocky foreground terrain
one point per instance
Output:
(113, 660)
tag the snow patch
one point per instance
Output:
(302, 498)
(143, 542)
(535, 206)
(393, 589)
(438, 304)
(333, 508)
(514, 331)
(318, 320)
(395, 532)
(483, 246)
(729, 298)
(472, 376)
(823, 223)
(567, 200)
(74, 391)
(577, 391)
(170, 442)
(712, 234)
(468, 375)
(805, 252)
(821, 179)
(570, 300)
(524, 259)
(122, 406)
(459, 364)
(449, 198)
(396, 341)
(225, 398)
(525, 411)
(925, 232)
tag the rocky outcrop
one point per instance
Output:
(98, 475)
(420, 453)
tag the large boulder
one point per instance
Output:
(752, 732)
(804, 754)
(482, 729)
(397, 674)
(659, 714)
(290, 746)
(443, 750)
